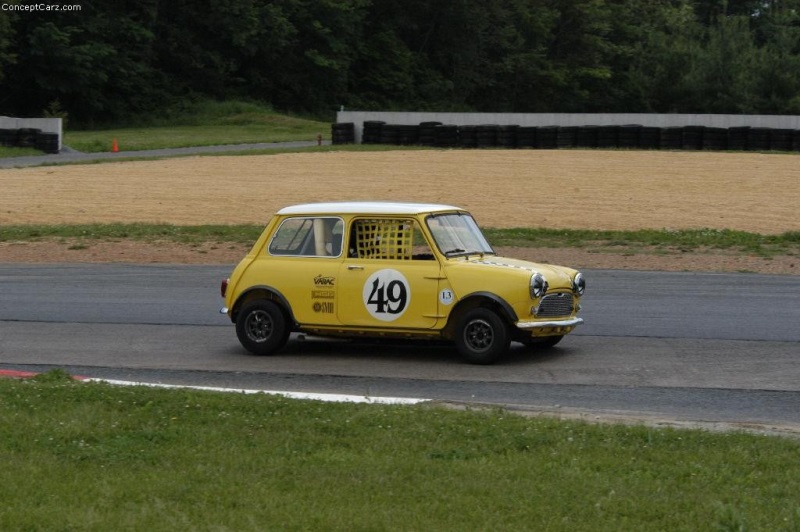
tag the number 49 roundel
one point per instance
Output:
(386, 294)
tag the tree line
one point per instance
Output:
(113, 60)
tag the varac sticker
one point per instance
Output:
(386, 294)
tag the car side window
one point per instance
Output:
(388, 239)
(308, 237)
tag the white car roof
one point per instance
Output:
(366, 207)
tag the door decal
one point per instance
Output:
(386, 294)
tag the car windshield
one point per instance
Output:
(458, 234)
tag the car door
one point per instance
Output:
(383, 281)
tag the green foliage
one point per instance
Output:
(91, 456)
(112, 65)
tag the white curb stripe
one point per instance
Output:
(330, 397)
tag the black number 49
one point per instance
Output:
(391, 298)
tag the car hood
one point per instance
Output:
(556, 276)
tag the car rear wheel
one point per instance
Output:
(482, 336)
(262, 327)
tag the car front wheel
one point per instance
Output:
(262, 327)
(482, 336)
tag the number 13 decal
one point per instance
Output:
(386, 294)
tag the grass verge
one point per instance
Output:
(89, 455)
(629, 241)
(202, 124)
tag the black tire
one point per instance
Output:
(262, 327)
(482, 336)
(544, 342)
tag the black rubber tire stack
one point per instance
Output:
(26, 137)
(547, 138)
(390, 134)
(487, 135)
(608, 137)
(567, 137)
(758, 139)
(507, 136)
(446, 136)
(427, 133)
(587, 137)
(629, 136)
(468, 136)
(372, 132)
(715, 139)
(526, 137)
(47, 142)
(8, 137)
(407, 135)
(343, 133)
(738, 138)
(693, 137)
(650, 138)
(671, 138)
(781, 139)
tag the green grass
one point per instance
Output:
(81, 456)
(659, 242)
(202, 124)
(6, 151)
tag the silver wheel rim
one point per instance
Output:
(479, 335)
(259, 326)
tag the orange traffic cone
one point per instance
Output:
(114, 146)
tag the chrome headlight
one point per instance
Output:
(579, 284)
(538, 285)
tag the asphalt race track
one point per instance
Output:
(673, 346)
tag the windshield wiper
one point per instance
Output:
(455, 250)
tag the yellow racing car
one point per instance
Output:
(401, 270)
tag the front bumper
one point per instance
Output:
(554, 324)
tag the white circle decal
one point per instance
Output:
(386, 294)
(446, 296)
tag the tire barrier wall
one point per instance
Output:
(631, 136)
(30, 138)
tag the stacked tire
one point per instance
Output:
(507, 136)
(486, 135)
(8, 137)
(629, 136)
(436, 134)
(343, 133)
(567, 137)
(587, 137)
(26, 137)
(468, 136)
(427, 133)
(671, 138)
(607, 136)
(692, 138)
(547, 138)
(372, 132)
(47, 142)
(715, 139)
(526, 137)
(446, 136)
(650, 138)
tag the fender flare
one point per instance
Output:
(270, 292)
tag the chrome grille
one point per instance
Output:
(555, 305)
